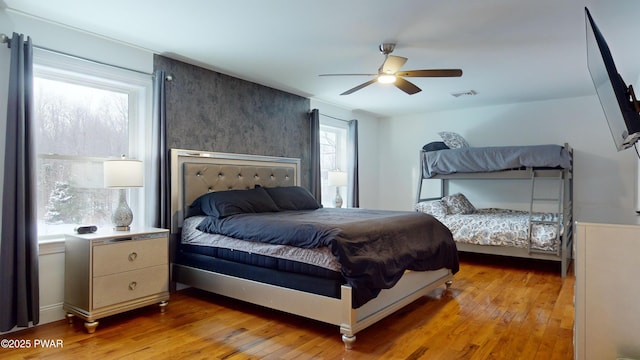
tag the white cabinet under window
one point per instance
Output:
(607, 292)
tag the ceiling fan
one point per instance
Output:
(389, 73)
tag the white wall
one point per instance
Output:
(5, 28)
(368, 150)
(603, 177)
(85, 45)
(66, 40)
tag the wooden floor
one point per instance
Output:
(515, 310)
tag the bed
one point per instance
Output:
(546, 235)
(327, 281)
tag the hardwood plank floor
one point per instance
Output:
(497, 308)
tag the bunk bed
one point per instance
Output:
(315, 284)
(536, 234)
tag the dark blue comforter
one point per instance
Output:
(374, 247)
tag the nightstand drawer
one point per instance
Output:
(130, 255)
(113, 289)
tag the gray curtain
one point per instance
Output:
(316, 184)
(353, 186)
(161, 153)
(19, 297)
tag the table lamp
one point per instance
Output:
(337, 179)
(122, 174)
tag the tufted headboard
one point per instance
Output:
(194, 173)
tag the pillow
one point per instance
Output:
(458, 204)
(231, 202)
(453, 140)
(292, 198)
(435, 146)
(436, 208)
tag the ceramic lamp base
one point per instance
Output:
(337, 202)
(122, 217)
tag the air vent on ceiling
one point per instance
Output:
(465, 93)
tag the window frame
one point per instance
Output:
(138, 86)
(341, 129)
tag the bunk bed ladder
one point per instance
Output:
(535, 200)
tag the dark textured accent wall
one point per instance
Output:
(210, 111)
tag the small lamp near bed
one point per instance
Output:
(337, 179)
(122, 174)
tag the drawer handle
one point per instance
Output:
(133, 256)
(132, 285)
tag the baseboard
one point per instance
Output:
(51, 313)
(48, 314)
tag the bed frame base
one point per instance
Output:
(194, 173)
(412, 286)
(564, 260)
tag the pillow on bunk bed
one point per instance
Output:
(453, 140)
(231, 202)
(293, 198)
(458, 204)
(435, 146)
(435, 208)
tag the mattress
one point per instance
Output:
(503, 227)
(264, 254)
(326, 286)
(497, 158)
(310, 270)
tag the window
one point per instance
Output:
(85, 113)
(333, 157)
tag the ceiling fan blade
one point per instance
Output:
(392, 64)
(431, 73)
(347, 74)
(359, 87)
(406, 86)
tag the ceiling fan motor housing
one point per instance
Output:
(387, 48)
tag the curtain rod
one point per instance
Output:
(335, 118)
(5, 39)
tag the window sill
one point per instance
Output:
(51, 246)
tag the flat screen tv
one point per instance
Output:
(617, 99)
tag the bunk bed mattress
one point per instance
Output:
(503, 227)
(496, 158)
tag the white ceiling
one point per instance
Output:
(509, 50)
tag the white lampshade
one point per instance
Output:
(123, 173)
(337, 178)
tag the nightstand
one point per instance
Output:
(110, 272)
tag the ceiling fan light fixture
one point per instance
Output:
(387, 79)
(389, 73)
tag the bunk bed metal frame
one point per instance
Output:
(564, 202)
